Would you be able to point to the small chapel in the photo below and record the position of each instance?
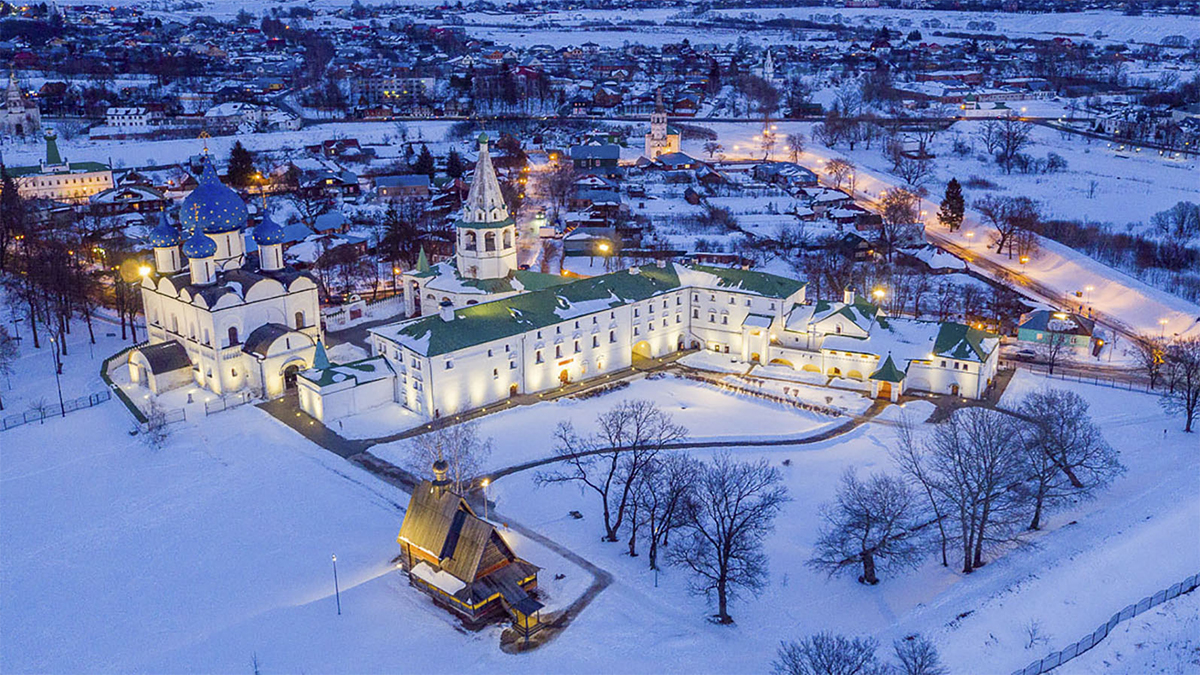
(462, 561)
(21, 116)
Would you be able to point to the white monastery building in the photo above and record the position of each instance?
(500, 332)
(59, 180)
(21, 116)
(217, 317)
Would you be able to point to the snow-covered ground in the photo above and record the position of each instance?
(1163, 641)
(1155, 184)
(215, 549)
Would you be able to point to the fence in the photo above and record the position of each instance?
(1092, 639)
(107, 366)
(42, 412)
(358, 311)
(226, 403)
(783, 400)
(1092, 379)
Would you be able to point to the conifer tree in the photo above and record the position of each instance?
(241, 166)
(950, 214)
(454, 164)
(424, 163)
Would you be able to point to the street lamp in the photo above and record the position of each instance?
(395, 271)
(486, 482)
(57, 370)
(1162, 328)
(144, 271)
(336, 593)
(879, 294)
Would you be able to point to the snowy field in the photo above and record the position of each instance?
(527, 432)
(215, 549)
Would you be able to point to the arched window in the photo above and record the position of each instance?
(233, 336)
(470, 241)
(489, 241)
(175, 324)
(508, 239)
(299, 320)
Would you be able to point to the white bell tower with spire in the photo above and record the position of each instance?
(486, 235)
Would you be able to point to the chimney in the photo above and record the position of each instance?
(848, 295)
(446, 310)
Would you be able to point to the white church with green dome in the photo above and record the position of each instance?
(218, 317)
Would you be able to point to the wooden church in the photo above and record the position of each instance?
(461, 561)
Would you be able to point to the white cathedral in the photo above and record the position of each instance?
(218, 317)
(499, 331)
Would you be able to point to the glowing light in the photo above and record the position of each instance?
(144, 270)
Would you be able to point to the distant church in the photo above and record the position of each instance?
(21, 115)
(218, 317)
(662, 139)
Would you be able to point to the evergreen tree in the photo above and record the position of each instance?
(454, 164)
(424, 163)
(241, 166)
(950, 214)
(12, 214)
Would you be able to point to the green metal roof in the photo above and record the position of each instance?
(560, 302)
(73, 167)
(888, 372)
(760, 283)
(368, 369)
(959, 341)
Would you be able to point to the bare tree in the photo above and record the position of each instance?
(1182, 361)
(869, 526)
(664, 496)
(1150, 354)
(839, 170)
(1065, 457)
(459, 445)
(1013, 137)
(8, 358)
(610, 460)
(914, 172)
(559, 182)
(973, 457)
(829, 654)
(157, 430)
(311, 204)
(795, 145)
(900, 213)
(989, 134)
(712, 148)
(1009, 216)
(734, 510)
(1055, 350)
(918, 656)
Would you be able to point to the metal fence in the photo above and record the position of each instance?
(1094, 638)
(795, 403)
(226, 403)
(42, 412)
(1093, 379)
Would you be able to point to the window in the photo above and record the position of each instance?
(612, 336)
(233, 336)
(595, 320)
(512, 365)
(233, 372)
(299, 320)
(712, 318)
(651, 308)
(577, 348)
(636, 332)
(595, 341)
(558, 351)
(495, 373)
(636, 312)
(695, 297)
(712, 297)
(489, 353)
(539, 335)
(537, 356)
(943, 364)
(664, 303)
(664, 322)
(650, 326)
(678, 318)
(449, 364)
(731, 300)
(558, 330)
(612, 315)
(695, 314)
(576, 325)
(489, 241)
(772, 305)
(505, 349)
(678, 300)
(724, 320)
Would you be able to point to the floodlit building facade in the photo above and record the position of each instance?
(217, 317)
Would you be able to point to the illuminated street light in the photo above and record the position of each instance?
(144, 270)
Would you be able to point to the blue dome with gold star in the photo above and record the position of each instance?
(213, 208)
(165, 235)
(268, 232)
(199, 245)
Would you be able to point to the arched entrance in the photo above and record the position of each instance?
(512, 390)
(289, 375)
(885, 390)
(755, 358)
(954, 389)
(564, 377)
(642, 349)
(782, 362)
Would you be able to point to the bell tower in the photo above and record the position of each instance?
(486, 246)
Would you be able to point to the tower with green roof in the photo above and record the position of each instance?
(486, 235)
